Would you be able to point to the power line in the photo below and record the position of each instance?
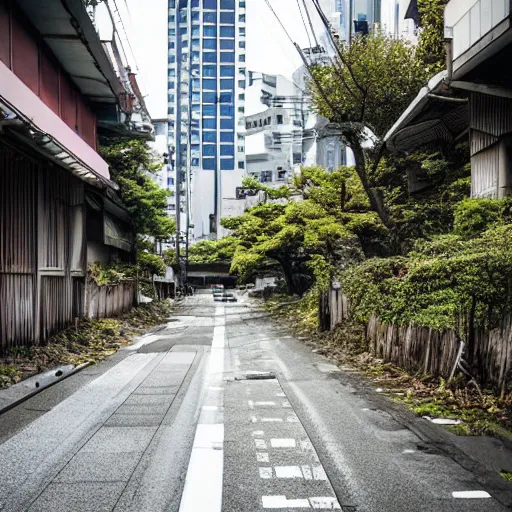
(304, 22)
(126, 35)
(310, 22)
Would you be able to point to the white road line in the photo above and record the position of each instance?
(264, 404)
(260, 444)
(319, 473)
(265, 473)
(271, 420)
(206, 465)
(471, 494)
(288, 472)
(258, 433)
(325, 503)
(282, 502)
(283, 443)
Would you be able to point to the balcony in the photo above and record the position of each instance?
(477, 27)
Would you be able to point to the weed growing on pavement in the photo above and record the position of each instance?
(506, 475)
(91, 341)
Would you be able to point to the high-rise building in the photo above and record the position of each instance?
(206, 93)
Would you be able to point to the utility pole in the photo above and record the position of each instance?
(177, 136)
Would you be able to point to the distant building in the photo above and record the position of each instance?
(273, 127)
(206, 94)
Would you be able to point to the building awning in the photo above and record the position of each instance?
(437, 114)
(67, 29)
(28, 118)
(115, 234)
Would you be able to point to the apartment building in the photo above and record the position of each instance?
(206, 94)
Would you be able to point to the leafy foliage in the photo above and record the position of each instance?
(213, 251)
(131, 164)
(430, 51)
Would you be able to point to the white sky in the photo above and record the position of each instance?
(268, 48)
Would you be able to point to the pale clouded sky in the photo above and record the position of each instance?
(268, 48)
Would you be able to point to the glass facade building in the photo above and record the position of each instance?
(206, 83)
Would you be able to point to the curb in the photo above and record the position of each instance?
(42, 388)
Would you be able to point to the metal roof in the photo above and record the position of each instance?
(69, 32)
(437, 114)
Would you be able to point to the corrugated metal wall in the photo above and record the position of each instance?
(41, 232)
(490, 118)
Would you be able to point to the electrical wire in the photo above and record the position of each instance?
(126, 36)
(310, 22)
(304, 23)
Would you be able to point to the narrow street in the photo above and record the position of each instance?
(222, 410)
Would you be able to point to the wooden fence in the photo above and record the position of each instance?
(488, 355)
(109, 300)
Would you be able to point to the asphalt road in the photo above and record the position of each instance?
(224, 410)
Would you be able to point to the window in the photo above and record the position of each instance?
(210, 44)
(265, 176)
(172, 45)
(228, 5)
(226, 97)
(209, 137)
(210, 17)
(227, 164)
(196, 97)
(242, 4)
(209, 84)
(196, 84)
(209, 150)
(227, 57)
(172, 4)
(226, 150)
(195, 162)
(195, 16)
(195, 32)
(240, 149)
(241, 84)
(170, 98)
(241, 57)
(170, 181)
(210, 71)
(241, 165)
(209, 164)
(227, 84)
(196, 109)
(209, 31)
(195, 56)
(241, 109)
(227, 71)
(227, 31)
(227, 124)
(183, 16)
(241, 71)
(172, 59)
(241, 44)
(209, 57)
(209, 97)
(226, 110)
(195, 69)
(210, 124)
(227, 137)
(227, 44)
(196, 44)
(171, 111)
(227, 17)
(171, 84)
(209, 110)
(172, 18)
(210, 4)
(241, 31)
(241, 18)
(195, 4)
(240, 137)
(279, 119)
(241, 96)
(172, 32)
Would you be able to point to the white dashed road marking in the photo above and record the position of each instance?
(471, 494)
(283, 443)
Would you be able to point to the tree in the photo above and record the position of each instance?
(308, 239)
(362, 93)
(131, 164)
